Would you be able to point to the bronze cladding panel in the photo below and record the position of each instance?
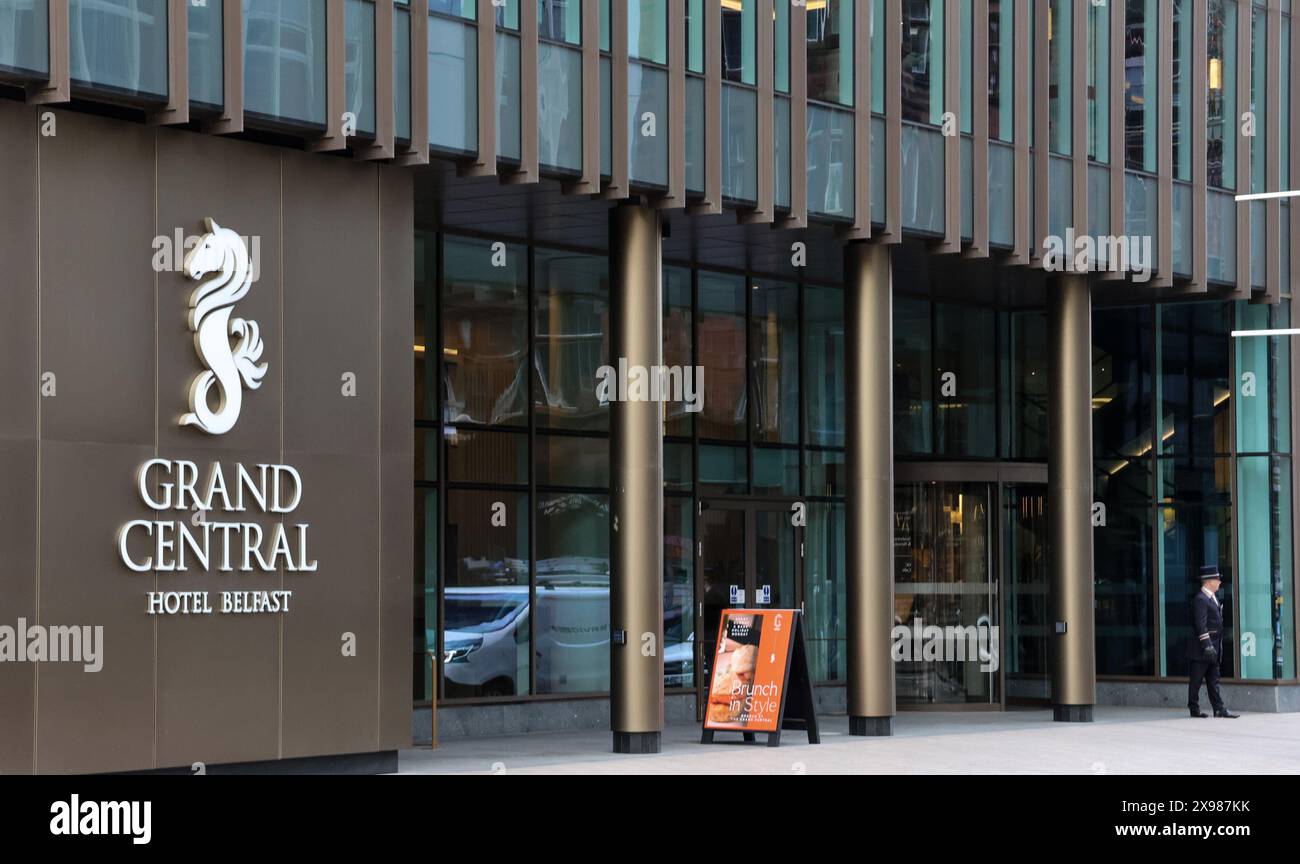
(194, 708)
(83, 301)
(331, 329)
(396, 454)
(97, 337)
(19, 421)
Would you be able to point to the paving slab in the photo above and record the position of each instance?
(1120, 741)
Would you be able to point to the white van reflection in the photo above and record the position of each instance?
(485, 643)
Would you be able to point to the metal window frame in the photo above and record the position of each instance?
(1164, 269)
(1245, 61)
(1199, 119)
(951, 242)
(231, 120)
(1273, 155)
(893, 226)
(1079, 117)
(384, 143)
(1116, 84)
(58, 87)
(177, 110)
(336, 83)
(529, 170)
(798, 215)
(1042, 60)
(484, 164)
(416, 151)
(1022, 97)
(764, 210)
(979, 245)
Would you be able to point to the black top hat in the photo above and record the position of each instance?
(1210, 571)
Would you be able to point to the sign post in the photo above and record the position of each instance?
(760, 680)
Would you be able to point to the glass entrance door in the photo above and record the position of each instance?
(749, 556)
(945, 594)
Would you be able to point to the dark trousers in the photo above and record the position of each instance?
(1196, 671)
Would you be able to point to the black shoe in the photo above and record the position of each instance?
(1224, 712)
(1197, 712)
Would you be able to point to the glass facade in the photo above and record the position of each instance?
(1191, 427)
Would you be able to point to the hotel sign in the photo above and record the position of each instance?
(230, 347)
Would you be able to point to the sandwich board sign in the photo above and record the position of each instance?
(760, 680)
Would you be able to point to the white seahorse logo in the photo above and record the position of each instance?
(230, 367)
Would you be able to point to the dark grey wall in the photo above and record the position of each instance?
(79, 298)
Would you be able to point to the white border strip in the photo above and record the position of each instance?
(1240, 334)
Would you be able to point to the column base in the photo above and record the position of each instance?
(871, 727)
(637, 743)
(1072, 713)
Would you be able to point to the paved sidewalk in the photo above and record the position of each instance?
(1121, 741)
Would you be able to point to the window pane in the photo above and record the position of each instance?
(1060, 33)
(485, 333)
(1259, 98)
(1002, 69)
(1099, 83)
(722, 354)
(425, 645)
(830, 52)
(824, 600)
(476, 456)
(913, 377)
(1025, 433)
(486, 615)
(572, 593)
(284, 60)
(1141, 54)
(781, 47)
(207, 86)
(695, 36)
(453, 85)
(509, 103)
(647, 102)
(572, 461)
(24, 44)
(402, 72)
(823, 363)
(1264, 549)
(559, 106)
(560, 20)
(776, 472)
(1221, 144)
(923, 61)
(723, 470)
(120, 46)
(774, 338)
(679, 592)
(571, 341)
(965, 422)
(647, 30)
(457, 8)
(1183, 14)
(359, 62)
(739, 40)
(678, 338)
(1196, 406)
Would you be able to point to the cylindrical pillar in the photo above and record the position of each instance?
(869, 520)
(636, 512)
(1069, 499)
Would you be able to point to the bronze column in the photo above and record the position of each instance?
(1069, 499)
(869, 521)
(637, 511)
